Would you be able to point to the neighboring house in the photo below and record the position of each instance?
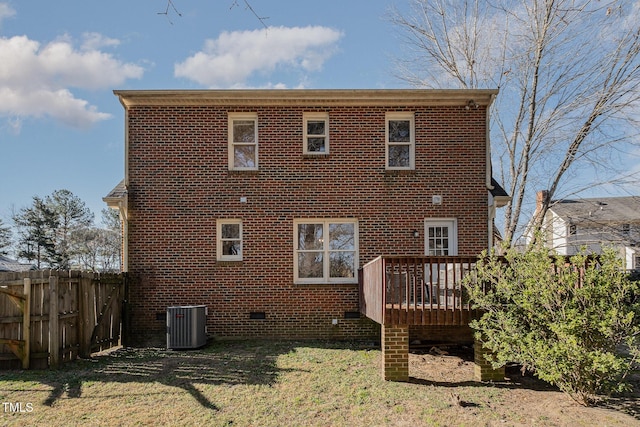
(10, 265)
(263, 204)
(593, 224)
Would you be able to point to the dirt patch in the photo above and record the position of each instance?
(534, 401)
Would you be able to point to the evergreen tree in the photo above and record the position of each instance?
(72, 219)
(5, 238)
(36, 225)
(48, 227)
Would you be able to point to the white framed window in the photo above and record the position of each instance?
(229, 239)
(626, 229)
(316, 133)
(243, 141)
(441, 237)
(400, 141)
(325, 251)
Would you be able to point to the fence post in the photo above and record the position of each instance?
(54, 330)
(86, 327)
(125, 339)
(26, 323)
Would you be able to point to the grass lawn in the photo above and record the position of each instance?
(280, 383)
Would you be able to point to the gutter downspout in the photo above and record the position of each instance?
(491, 209)
(123, 205)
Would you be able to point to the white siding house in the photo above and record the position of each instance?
(595, 223)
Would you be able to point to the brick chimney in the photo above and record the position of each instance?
(542, 196)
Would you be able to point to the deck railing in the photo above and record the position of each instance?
(416, 290)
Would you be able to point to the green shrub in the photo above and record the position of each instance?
(575, 325)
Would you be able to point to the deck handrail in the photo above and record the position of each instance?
(416, 289)
(425, 290)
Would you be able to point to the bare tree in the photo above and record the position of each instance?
(569, 76)
(171, 7)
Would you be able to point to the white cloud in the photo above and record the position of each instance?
(6, 11)
(35, 79)
(13, 125)
(233, 57)
(58, 104)
(93, 41)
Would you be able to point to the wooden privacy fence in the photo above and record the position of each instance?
(48, 317)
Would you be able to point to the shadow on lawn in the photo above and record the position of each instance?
(243, 362)
(228, 363)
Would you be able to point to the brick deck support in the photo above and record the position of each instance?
(483, 370)
(395, 353)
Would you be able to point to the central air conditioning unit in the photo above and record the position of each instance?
(186, 327)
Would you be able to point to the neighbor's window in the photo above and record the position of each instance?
(626, 229)
(229, 240)
(400, 141)
(326, 251)
(316, 133)
(243, 141)
(572, 229)
(441, 237)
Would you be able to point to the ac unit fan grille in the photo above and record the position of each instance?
(186, 327)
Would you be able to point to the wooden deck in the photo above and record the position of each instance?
(398, 290)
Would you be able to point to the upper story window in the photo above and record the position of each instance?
(325, 251)
(400, 141)
(316, 133)
(572, 229)
(229, 240)
(243, 141)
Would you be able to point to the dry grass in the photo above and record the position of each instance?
(266, 383)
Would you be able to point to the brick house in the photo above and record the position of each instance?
(264, 204)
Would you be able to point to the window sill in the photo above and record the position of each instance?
(224, 262)
(314, 155)
(243, 171)
(395, 172)
(306, 284)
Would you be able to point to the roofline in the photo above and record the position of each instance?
(404, 97)
(592, 199)
(113, 202)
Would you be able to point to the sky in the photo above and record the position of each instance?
(61, 127)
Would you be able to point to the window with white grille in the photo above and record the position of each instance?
(316, 133)
(325, 251)
(243, 141)
(229, 240)
(441, 237)
(400, 141)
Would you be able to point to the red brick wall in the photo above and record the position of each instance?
(179, 184)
